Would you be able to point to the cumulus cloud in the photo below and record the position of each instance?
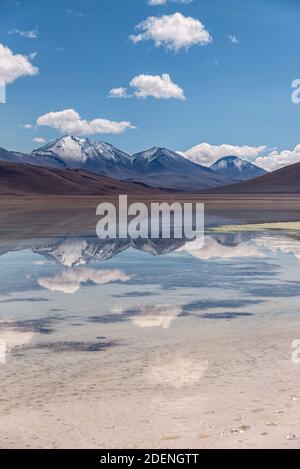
(276, 160)
(206, 154)
(27, 126)
(14, 66)
(70, 122)
(157, 2)
(118, 93)
(155, 86)
(159, 87)
(70, 281)
(31, 34)
(173, 32)
(164, 2)
(39, 140)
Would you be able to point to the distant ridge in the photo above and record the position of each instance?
(26, 180)
(283, 181)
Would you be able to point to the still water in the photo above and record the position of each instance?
(157, 343)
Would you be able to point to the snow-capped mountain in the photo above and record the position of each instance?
(76, 153)
(163, 168)
(79, 153)
(157, 159)
(237, 169)
(156, 167)
(72, 252)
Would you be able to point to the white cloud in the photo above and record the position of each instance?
(157, 2)
(118, 93)
(159, 87)
(156, 86)
(70, 280)
(13, 66)
(164, 2)
(32, 55)
(70, 122)
(39, 140)
(31, 34)
(174, 32)
(206, 154)
(233, 39)
(276, 160)
(27, 126)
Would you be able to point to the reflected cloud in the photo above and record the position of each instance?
(156, 316)
(276, 244)
(142, 316)
(71, 280)
(214, 248)
(82, 250)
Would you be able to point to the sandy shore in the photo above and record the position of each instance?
(232, 389)
(30, 217)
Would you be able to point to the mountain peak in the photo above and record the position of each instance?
(237, 168)
(155, 153)
(229, 158)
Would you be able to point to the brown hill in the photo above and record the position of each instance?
(285, 180)
(25, 180)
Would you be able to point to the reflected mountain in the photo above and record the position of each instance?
(76, 251)
(72, 252)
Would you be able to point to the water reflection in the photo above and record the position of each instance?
(180, 332)
(70, 280)
(149, 284)
(78, 251)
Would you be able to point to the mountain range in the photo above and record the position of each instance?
(282, 181)
(158, 167)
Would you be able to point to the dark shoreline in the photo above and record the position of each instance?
(30, 217)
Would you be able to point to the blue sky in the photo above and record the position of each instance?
(236, 93)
